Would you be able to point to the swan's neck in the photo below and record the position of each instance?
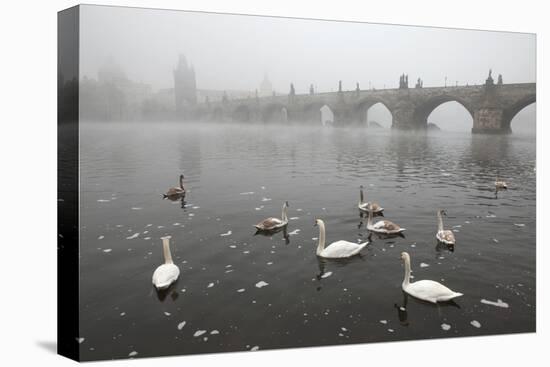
(439, 222)
(407, 272)
(181, 183)
(321, 245)
(369, 219)
(284, 217)
(166, 250)
(361, 198)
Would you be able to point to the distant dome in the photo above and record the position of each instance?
(266, 88)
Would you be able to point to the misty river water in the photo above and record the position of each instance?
(237, 175)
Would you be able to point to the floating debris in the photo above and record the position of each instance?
(103, 200)
(228, 233)
(293, 233)
(327, 274)
(101, 237)
(199, 333)
(135, 235)
(495, 240)
(167, 313)
(122, 313)
(261, 284)
(80, 340)
(107, 250)
(240, 290)
(132, 354)
(266, 199)
(254, 348)
(384, 322)
(294, 218)
(424, 265)
(498, 303)
(445, 327)
(247, 193)
(210, 285)
(214, 332)
(475, 323)
(181, 325)
(519, 224)
(136, 208)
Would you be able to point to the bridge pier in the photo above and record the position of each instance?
(490, 120)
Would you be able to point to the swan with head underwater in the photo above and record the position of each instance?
(365, 206)
(272, 224)
(426, 290)
(167, 273)
(445, 236)
(500, 185)
(383, 227)
(338, 249)
(175, 192)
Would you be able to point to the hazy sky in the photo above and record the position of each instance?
(234, 52)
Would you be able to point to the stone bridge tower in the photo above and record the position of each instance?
(185, 88)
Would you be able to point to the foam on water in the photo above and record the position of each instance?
(498, 303)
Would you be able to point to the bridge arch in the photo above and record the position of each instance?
(275, 112)
(312, 113)
(513, 110)
(422, 111)
(241, 113)
(362, 109)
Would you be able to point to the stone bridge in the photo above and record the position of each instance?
(492, 106)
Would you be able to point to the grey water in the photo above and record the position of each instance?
(237, 175)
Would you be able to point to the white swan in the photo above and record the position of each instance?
(167, 273)
(500, 185)
(383, 226)
(176, 192)
(444, 235)
(271, 224)
(376, 209)
(338, 249)
(427, 290)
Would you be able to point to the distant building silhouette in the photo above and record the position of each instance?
(266, 88)
(185, 86)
